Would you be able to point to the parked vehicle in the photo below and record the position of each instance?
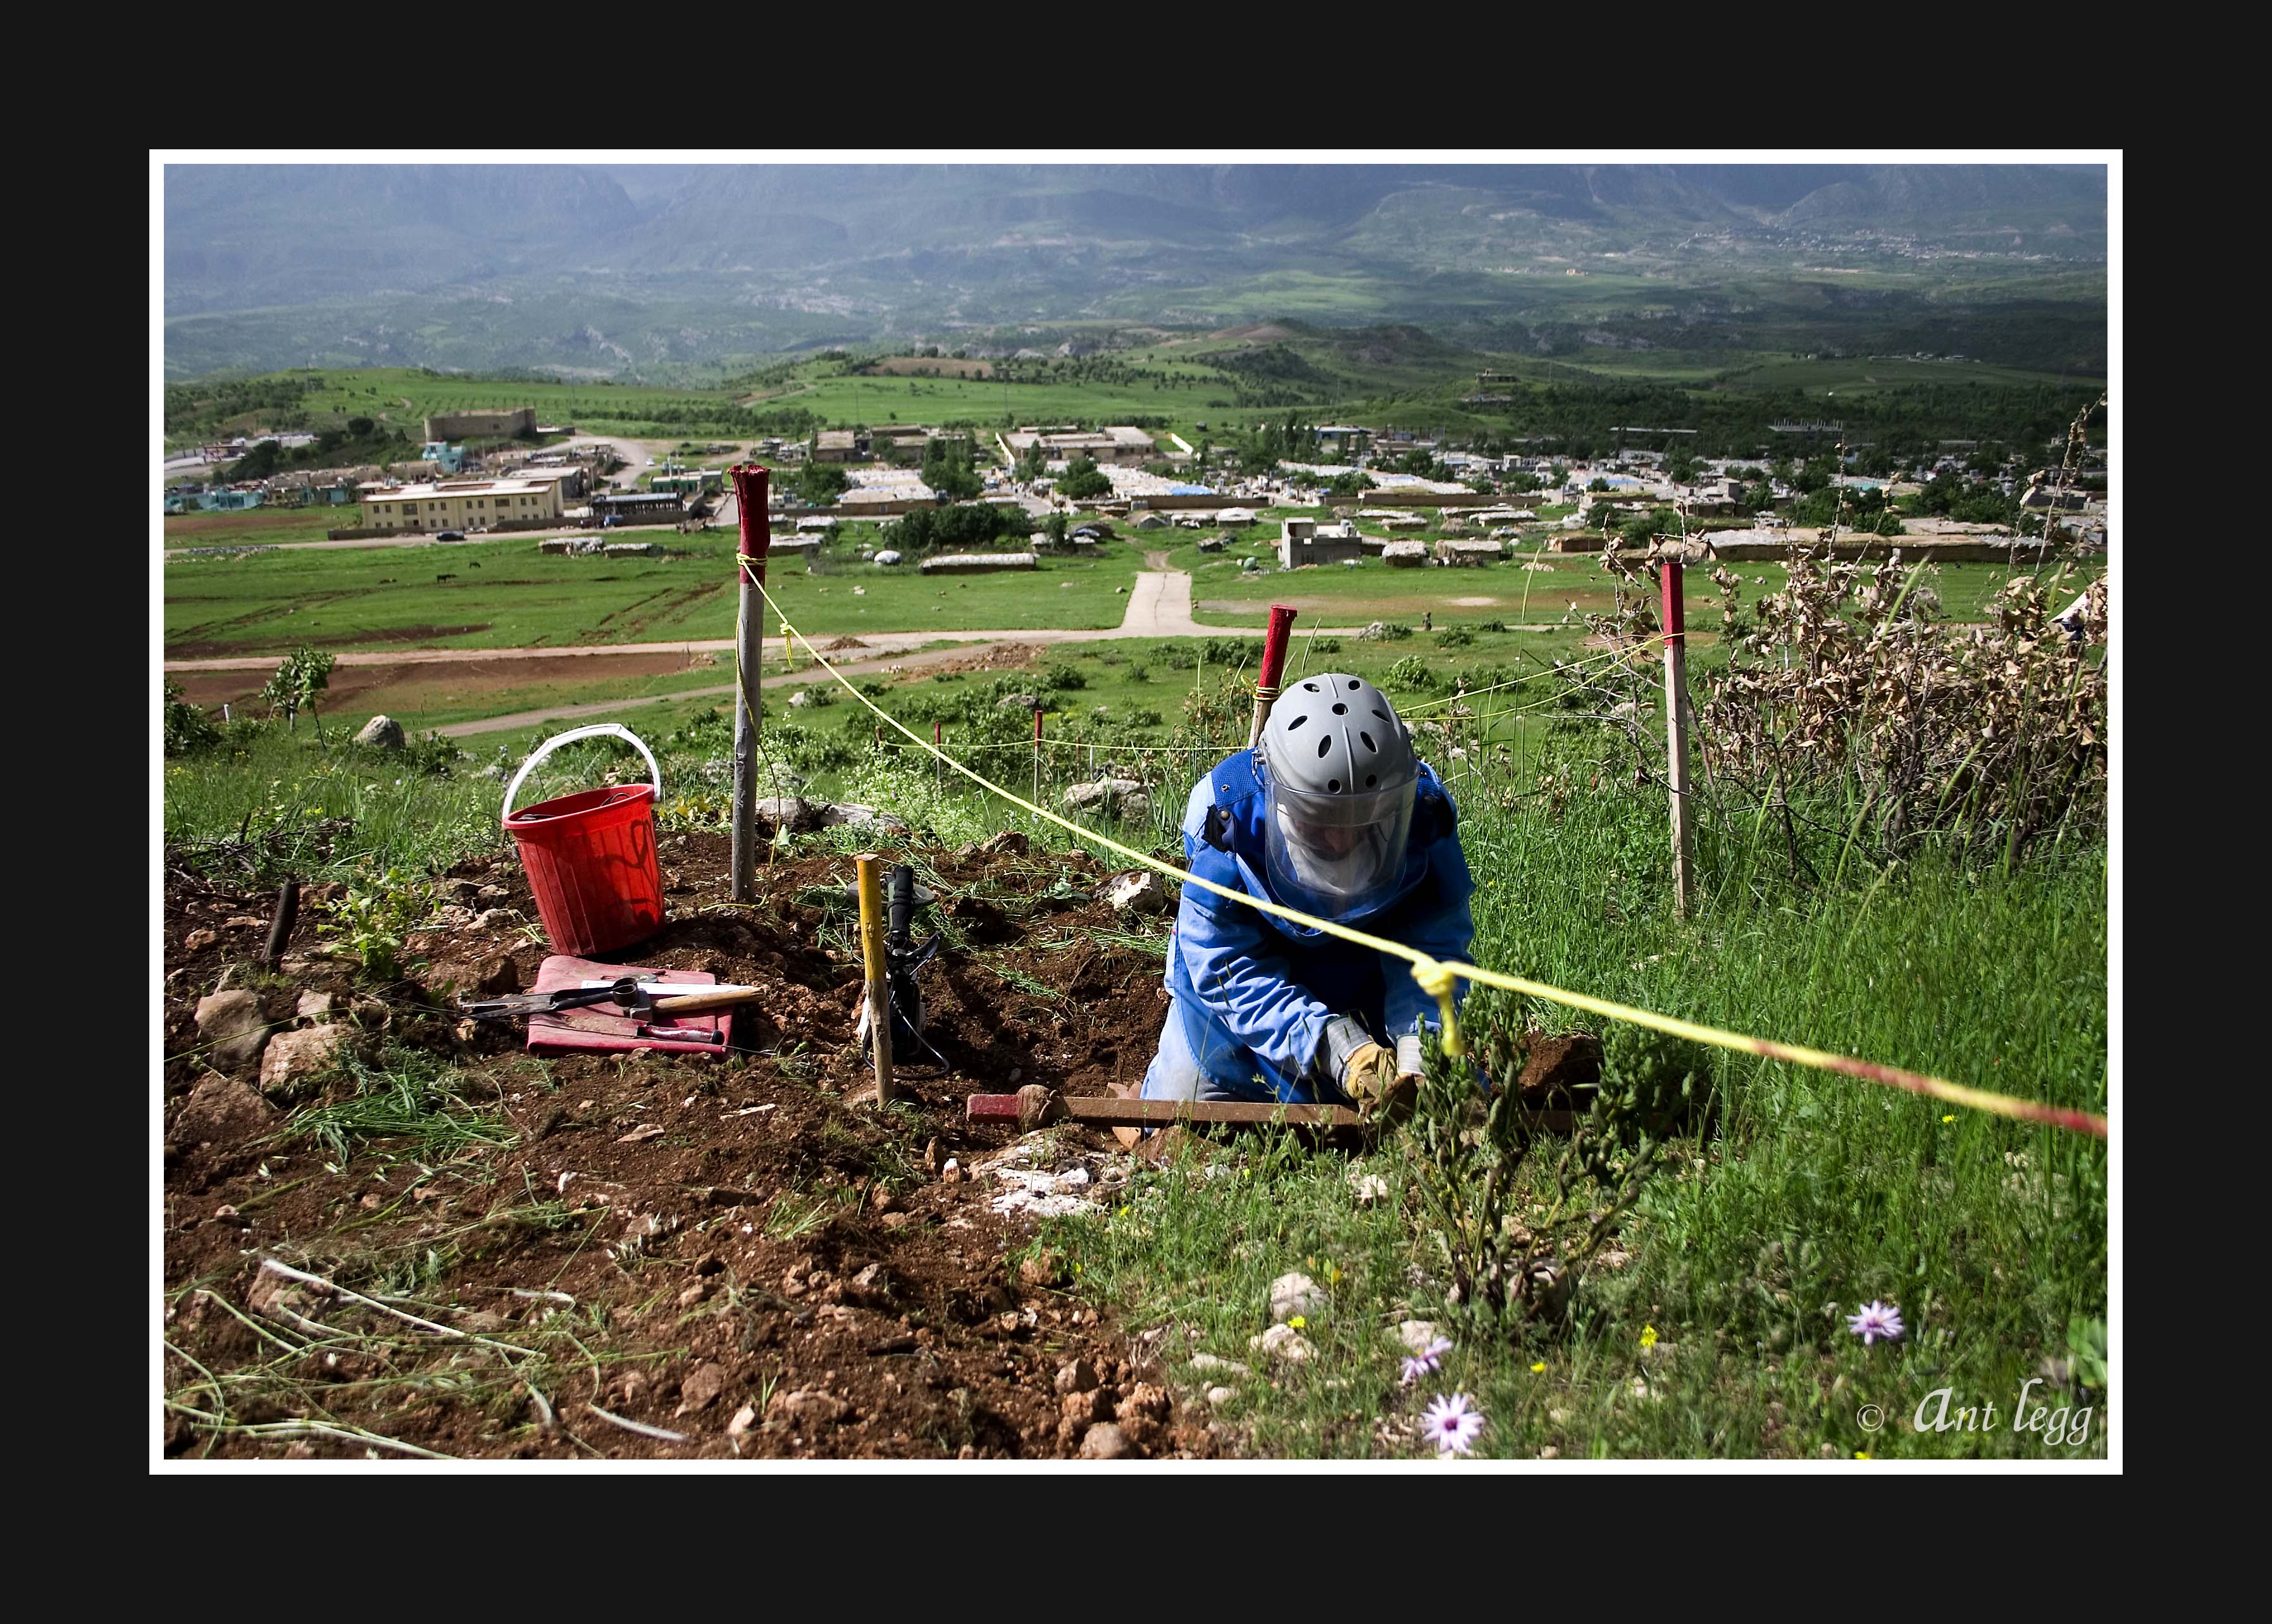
(451, 536)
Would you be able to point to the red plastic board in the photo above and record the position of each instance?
(604, 1026)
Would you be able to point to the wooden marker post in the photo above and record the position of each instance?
(1274, 667)
(751, 502)
(1037, 761)
(1675, 735)
(870, 865)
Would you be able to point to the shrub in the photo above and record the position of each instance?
(1454, 637)
(1411, 671)
(188, 727)
(304, 673)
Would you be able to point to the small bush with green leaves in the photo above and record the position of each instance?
(376, 915)
(1411, 671)
(1454, 637)
(187, 727)
(1652, 1083)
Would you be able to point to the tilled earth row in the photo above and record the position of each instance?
(649, 1255)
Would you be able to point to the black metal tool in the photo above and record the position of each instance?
(629, 991)
(632, 994)
(902, 958)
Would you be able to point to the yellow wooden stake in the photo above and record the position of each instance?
(872, 953)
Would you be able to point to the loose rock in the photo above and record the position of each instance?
(220, 1111)
(382, 733)
(1293, 1294)
(701, 1388)
(314, 1006)
(1138, 891)
(230, 1023)
(807, 1407)
(295, 1057)
(1282, 1342)
(1079, 1376)
(1417, 1333)
(1104, 1442)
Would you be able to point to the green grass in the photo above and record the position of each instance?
(507, 594)
(1816, 1195)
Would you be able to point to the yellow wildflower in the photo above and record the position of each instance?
(1298, 1322)
(1539, 1369)
(1648, 1335)
(1864, 1454)
(1951, 1117)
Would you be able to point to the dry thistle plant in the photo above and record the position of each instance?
(1992, 734)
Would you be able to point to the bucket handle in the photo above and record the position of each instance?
(611, 729)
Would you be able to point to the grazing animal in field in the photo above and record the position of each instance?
(439, 578)
(475, 564)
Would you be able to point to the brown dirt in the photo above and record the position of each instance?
(687, 1303)
(435, 686)
(993, 657)
(211, 650)
(203, 524)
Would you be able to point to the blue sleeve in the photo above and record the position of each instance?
(1438, 923)
(1238, 970)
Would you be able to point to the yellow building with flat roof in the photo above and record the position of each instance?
(463, 504)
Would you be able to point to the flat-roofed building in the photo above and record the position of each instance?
(462, 504)
(1120, 447)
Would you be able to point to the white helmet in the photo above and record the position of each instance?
(1339, 776)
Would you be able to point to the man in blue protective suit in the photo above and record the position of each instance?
(1333, 815)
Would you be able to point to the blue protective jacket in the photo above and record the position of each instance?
(1256, 991)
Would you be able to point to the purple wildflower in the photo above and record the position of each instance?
(1451, 1425)
(1875, 1320)
(1429, 1361)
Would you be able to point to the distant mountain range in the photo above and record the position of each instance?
(638, 271)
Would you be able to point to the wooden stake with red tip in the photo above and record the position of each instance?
(752, 504)
(1274, 667)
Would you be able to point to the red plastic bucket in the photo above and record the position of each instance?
(590, 857)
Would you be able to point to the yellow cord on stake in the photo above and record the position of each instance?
(1430, 971)
(1436, 980)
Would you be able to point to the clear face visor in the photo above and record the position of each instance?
(1341, 855)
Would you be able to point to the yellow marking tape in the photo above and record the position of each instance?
(1436, 976)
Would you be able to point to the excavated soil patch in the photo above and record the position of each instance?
(674, 1239)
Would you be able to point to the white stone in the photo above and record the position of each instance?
(1137, 891)
(1282, 1342)
(1417, 1333)
(1293, 1294)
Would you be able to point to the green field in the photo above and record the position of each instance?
(508, 594)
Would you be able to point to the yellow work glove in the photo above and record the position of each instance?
(1368, 1073)
(1371, 1078)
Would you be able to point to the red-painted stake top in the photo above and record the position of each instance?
(753, 503)
(1676, 622)
(1273, 645)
